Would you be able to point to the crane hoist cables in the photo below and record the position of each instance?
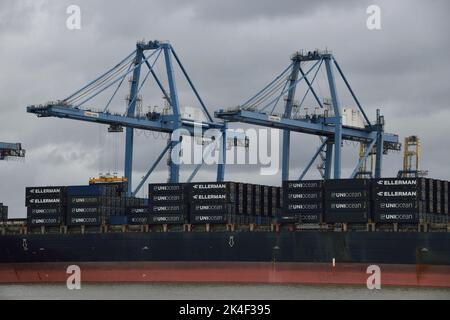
(136, 65)
(107, 72)
(101, 79)
(270, 90)
(278, 99)
(269, 94)
(246, 103)
(282, 90)
(100, 83)
(115, 91)
(294, 84)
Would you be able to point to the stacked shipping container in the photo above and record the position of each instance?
(167, 203)
(389, 200)
(231, 202)
(216, 202)
(401, 200)
(45, 205)
(78, 205)
(303, 202)
(347, 201)
(93, 204)
(3, 213)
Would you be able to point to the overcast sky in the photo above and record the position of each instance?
(231, 49)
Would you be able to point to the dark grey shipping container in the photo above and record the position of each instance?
(347, 206)
(429, 195)
(346, 184)
(403, 194)
(310, 218)
(209, 218)
(138, 211)
(437, 196)
(223, 197)
(445, 208)
(74, 211)
(46, 211)
(44, 201)
(399, 205)
(164, 198)
(84, 220)
(303, 185)
(167, 188)
(304, 207)
(170, 208)
(87, 201)
(3, 213)
(347, 216)
(249, 202)
(214, 208)
(139, 219)
(213, 187)
(299, 196)
(167, 219)
(348, 194)
(47, 221)
(46, 192)
(396, 217)
(399, 183)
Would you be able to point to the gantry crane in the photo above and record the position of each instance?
(365, 170)
(260, 110)
(146, 53)
(411, 157)
(11, 150)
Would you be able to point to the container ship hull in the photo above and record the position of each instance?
(405, 258)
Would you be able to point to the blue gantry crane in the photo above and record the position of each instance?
(260, 110)
(145, 54)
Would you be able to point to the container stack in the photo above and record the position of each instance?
(216, 202)
(437, 192)
(45, 206)
(167, 203)
(91, 205)
(440, 202)
(85, 205)
(275, 201)
(257, 199)
(445, 194)
(347, 201)
(3, 213)
(402, 200)
(302, 202)
(138, 211)
(249, 201)
(429, 195)
(266, 201)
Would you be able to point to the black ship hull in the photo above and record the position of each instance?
(309, 246)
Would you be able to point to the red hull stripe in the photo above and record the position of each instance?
(228, 272)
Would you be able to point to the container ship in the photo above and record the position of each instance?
(321, 232)
(329, 231)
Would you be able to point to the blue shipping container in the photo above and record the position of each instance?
(118, 220)
(90, 190)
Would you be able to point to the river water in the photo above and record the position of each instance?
(216, 291)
